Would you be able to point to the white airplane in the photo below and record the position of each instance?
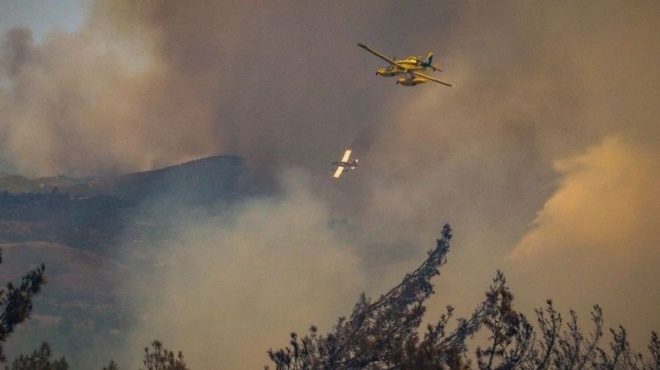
(344, 165)
(409, 68)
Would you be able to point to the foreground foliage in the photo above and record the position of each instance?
(162, 359)
(16, 302)
(39, 360)
(385, 334)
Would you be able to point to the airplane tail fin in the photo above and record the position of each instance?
(429, 63)
(429, 60)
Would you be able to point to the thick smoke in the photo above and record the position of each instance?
(598, 233)
(553, 118)
(100, 100)
(231, 287)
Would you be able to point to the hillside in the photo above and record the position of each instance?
(93, 213)
(66, 267)
(93, 234)
(201, 179)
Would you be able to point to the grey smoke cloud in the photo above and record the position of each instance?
(544, 94)
(231, 287)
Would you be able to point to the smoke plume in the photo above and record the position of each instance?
(543, 154)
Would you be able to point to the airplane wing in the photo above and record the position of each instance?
(338, 172)
(381, 56)
(430, 78)
(346, 155)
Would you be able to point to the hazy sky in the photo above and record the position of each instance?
(543, 157)
(43, 16)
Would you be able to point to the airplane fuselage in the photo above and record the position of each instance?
(410, 64)
(346, 165)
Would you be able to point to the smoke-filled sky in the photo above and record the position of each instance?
(543, 157)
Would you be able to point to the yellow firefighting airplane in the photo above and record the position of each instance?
(409, 68)
(344, 165)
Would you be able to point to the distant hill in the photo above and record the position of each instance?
(199, 180)
(93, 213)
(16, 184)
